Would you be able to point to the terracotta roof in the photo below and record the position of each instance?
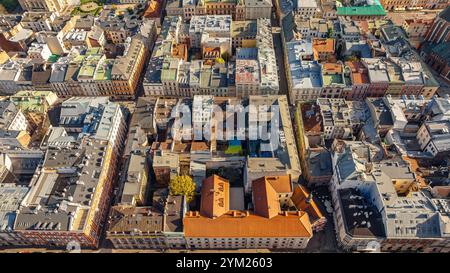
(199, 146)
(153, 9)
(180, 51)
(281, 184)
(425, 21)
(181, 147)
(265, 198)
(215, 197)
(238, 224)
(300, 200)
(266, 221)
(359, 72)
(364, 25)
(332, 67)
(311, 124)
(323, 45)
(162, 146)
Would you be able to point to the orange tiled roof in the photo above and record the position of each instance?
(364, 25)
(324, 45)
(215, 196)
(199, 146)
(332, 67)
(414, 165)
(162, 146)
(153, 9)
(265, 198)
(181, 147)
(266, 221)
(238, 224)
(280, 183)
(180, 51)
(359, 72)
(300, 197)
(425, 21)
(311, 124)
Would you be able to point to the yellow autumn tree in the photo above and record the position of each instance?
(183, 185)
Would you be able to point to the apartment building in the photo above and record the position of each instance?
(174, 8)
(11, 195)
(11, 117)
(36, 21)
(348, 162)
(70, 194)
(390, 202)
(243, 34)
(34, 101)
(417, 27)
(306, 8)
(189, 8)
(96, 116)
(255, 9)
(359, 76)
(159, 226)
(127, 69)
(438, 109)
(435, 55)
(15, 76)
(82, 205)
(135, 183)
(313, 27)
(117, 30)
(336, 118)
(378, 76)
(21, 163)
(324, 50)
(152, 80)
(439, 31)
(318, 168)
(247, 77)
(305, 80)
(266, 157)
(214, 25)
(34, 5)
(269, 84)
(412, 4)
(433, 137)
(334, 80)
(166, 166)
(216, 7)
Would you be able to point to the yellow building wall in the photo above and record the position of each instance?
(248, 43)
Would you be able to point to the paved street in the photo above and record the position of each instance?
(276, 32)
(324, 241)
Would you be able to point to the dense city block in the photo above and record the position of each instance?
(225, 125)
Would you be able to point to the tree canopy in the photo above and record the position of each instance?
(183, 185)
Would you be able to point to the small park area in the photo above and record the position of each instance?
(93, 7)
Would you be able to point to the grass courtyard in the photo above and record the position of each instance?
(93, 7)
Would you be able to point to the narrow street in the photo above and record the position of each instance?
(276, 32)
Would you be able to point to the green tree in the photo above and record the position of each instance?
(226, 56)
(220, 60)
(352, 58)
(183, 185)
(330, 32)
